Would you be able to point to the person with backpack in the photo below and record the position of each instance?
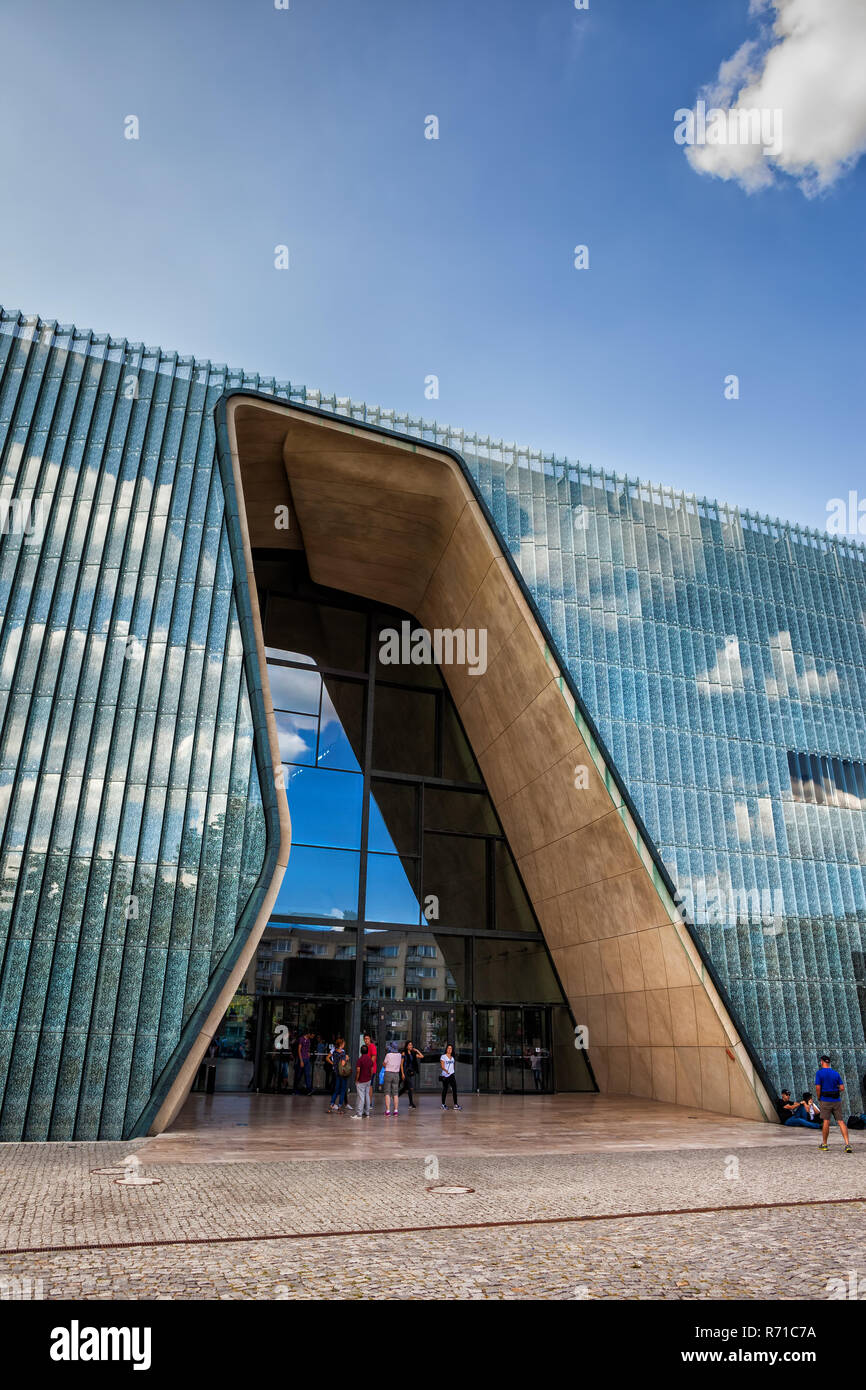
(828, 1088)
(374, 1052)
(339, 1060)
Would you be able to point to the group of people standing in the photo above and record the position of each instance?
(398, 1074)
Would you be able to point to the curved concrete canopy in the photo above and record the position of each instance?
(398, 522)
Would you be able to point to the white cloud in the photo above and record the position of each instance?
(754, 826)
(809, 66)
(787, 680)
(727, 674)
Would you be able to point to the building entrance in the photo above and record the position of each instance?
(429, 1027)
(514, 1050)
(500, 1049)
(281, 1023)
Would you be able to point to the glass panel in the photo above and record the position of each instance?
(325, 808)
(286, 1022)
(489, 1050)
(458, 764)
(384, 964)
(434, 1029)
(817, 779)
(416, 966)
(404, 731)
(514, 971)
(402, 670)
(309, 959)
(393, 818)
(513, 1060)
(455, 874)
(232, 1052)
(316, 633)
(320, 883)
(392, 889)
(470, 812)
(513, 912)
(796, 779)
(341, 730)
(536, 1037)
(397, 1028)
(294, 689)
(571, 1072)
(297, 736)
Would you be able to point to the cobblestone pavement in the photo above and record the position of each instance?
(53, 1196)
(762, 1255)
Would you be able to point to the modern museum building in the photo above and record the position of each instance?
(318, 717)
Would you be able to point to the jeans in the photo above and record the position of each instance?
(341, 1085)
(449, 1083)
(363, 1089)
(407, 1086)
(803, 1124)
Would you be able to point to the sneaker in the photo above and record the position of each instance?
(823, 1147)
(357, 1117)
(387, 1113)
(458, 1107)
(848, 1149)
(444, 1107)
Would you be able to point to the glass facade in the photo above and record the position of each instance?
(132, 829)
(721, 656)
(707, 644)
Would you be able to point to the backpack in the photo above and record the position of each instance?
(856, 1122)
(345, 1067)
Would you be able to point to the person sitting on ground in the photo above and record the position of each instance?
(803, 1113)
(786, 1107)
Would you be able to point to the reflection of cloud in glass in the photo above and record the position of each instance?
(787, 680)
(297, 737)
(728, 673)
(294, 689)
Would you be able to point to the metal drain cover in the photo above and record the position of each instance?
(447, 1191)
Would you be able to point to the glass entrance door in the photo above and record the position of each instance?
(428, 1026)
(283, 1022)
(514, 1050)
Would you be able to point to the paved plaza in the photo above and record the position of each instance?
(271, 1198)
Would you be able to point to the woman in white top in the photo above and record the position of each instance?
(447, 1077)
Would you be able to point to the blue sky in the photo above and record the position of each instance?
(454, 257)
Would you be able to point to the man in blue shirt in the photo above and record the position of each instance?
(828, 1088)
